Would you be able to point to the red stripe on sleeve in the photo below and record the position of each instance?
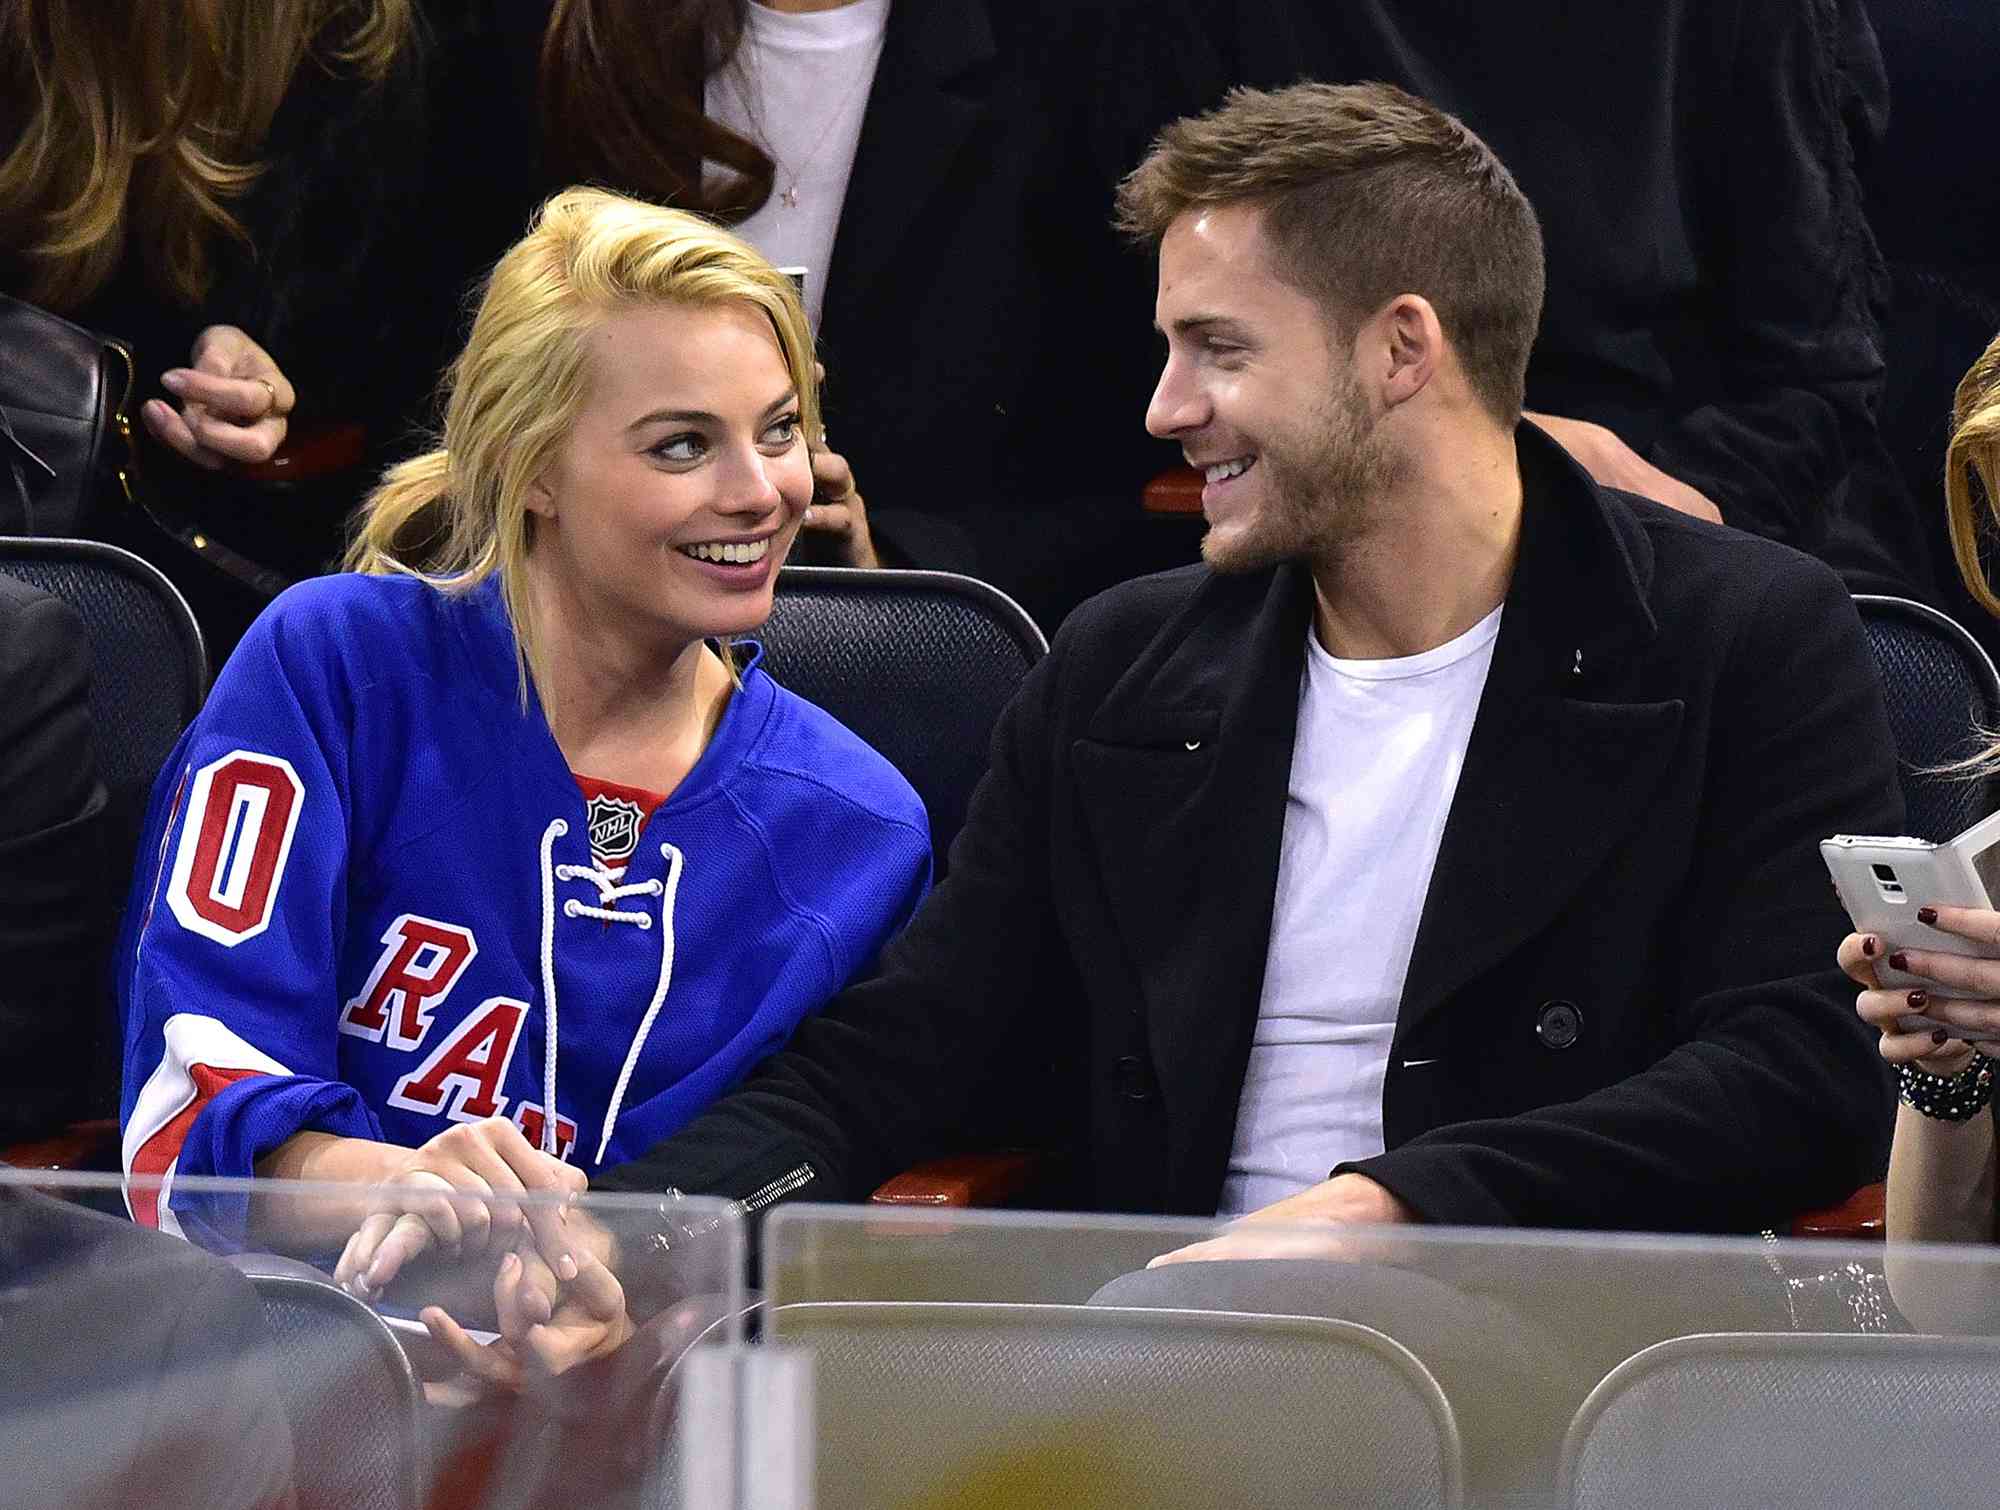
(157, 1154)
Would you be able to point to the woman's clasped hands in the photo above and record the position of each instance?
(1959, 1016)
(481, 1189)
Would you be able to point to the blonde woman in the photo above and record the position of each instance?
(1942, 1185)
(484, 879)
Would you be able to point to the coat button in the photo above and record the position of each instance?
(1133, 1078)
(1558, 1024)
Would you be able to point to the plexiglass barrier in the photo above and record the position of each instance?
(272, 1344)
(988, 1359)
(600, 1354)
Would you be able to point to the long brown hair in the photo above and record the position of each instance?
(622, 102)
(144, 120)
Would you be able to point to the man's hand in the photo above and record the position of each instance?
(233, 402)
(1613, 464)
(547, 1327)
(1307, 1225)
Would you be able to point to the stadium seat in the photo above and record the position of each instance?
(1942, 690)
(1785, 1421)
(346, 1387)
(947, 1403)
(149, 675)
(917, 663)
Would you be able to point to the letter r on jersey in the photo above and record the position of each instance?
(421, 961)
(469, 1067)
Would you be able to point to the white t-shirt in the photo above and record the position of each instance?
(1374, 766)
(799, 87)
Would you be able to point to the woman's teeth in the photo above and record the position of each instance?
(732, 555)
(1222, 471)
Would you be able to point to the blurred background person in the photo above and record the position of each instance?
(943, 170)
(1712, 337)
(212, 182)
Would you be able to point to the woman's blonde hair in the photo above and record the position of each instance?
(1973, 461)
(145, 120)
(458, 514)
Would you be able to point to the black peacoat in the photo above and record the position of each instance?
(1621, 1011)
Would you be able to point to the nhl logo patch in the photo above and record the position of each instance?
(614, 828)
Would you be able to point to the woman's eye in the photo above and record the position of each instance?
(678, 448)
(783, 432)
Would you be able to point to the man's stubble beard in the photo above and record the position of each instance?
(1322, 483)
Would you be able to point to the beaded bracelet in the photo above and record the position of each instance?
(1948, 1098)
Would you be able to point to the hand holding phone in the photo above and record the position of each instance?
(1885, 882)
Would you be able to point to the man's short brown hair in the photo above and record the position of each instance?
(1367, 193)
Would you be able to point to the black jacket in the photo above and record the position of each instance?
(55, 885)
(1621, 1010)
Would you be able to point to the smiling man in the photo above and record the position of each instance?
(1444, 847)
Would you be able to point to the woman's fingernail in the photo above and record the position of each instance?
(510, 1263)
(566, 1267)
(1940, 1037)
(174, 382)
(1899, 961)
(1869, 946)
(1927, 916)
(1919, 1000)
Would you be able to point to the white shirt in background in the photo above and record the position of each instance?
(1374, 766)
(798, 86)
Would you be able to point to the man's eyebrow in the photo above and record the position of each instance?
(1194, 324)
(703, 416)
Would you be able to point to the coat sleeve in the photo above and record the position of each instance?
(914, 1058)
(1770, 1097)
(1794, 277)
(227, 969)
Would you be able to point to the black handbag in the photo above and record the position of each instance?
(67, 452)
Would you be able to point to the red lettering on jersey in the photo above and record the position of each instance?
(243, 810)
(421, 961)
(528, 1117)
(469, 1066)
(157, 1154)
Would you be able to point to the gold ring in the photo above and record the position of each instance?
(271, 407)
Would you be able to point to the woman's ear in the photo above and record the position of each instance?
(541, 498)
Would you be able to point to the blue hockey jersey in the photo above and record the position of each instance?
(367, 902)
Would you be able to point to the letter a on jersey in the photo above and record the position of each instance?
(235, 839)
(469, 1066)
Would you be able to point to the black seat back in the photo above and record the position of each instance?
(346, 1386)
(919, 664)
(1942, 692)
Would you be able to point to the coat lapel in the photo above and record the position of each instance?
(1182, 777)
(1560, 765)
(930, 91)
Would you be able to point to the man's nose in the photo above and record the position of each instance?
(1176, 406)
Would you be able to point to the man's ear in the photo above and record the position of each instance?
(1410, 339)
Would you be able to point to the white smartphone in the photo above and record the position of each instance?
(1883, 881)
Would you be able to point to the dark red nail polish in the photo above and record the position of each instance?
(1940, 1037)
(1927, 916)
(1869, 946)
(1919, 1000)
(1899, 961)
